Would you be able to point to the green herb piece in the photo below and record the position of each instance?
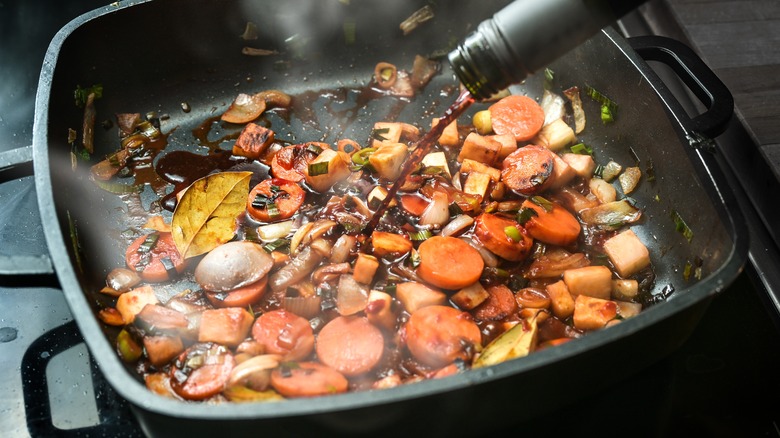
(549, 76)
(273, 210)
(525, 214)
(602, 99)
(582, 149)
(513, 233)
(320, 168)
(606, 115)
(80, 94)
(419, 236)
(542, 202)
(414, 258)
(149, 243)
(313, 148)
(391, 288)
(276, 245)
(681, 226)
(377, 134)
(361, 157)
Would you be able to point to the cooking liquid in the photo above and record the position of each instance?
(421, 148)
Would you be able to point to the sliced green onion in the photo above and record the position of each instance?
(276, 245)
(320, 168)
(681, 226)
(149, 243)
(148, 130)
(391, 288)
(582, 149)
(549, 76)
(606, 115)
(542, 202)
(260, 201)
(80, 94)
(516, 282)
(525, 214)
(313, 148)
(361, 157)
(377, 134)
(419, 236)
(273, 210)
(432, 170)
(600, 98)
(513, 233)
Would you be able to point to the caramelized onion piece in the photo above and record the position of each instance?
(553, 263)
(611, 215)
(296, 270)
(244, 109)
(255, 372)
(122, 279)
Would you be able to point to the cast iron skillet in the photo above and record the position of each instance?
(154, 55)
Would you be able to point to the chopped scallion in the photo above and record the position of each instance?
(681, 226)
(419, 236)
(361, 157)
(542, 202)
(525, 214)
(276, 245)
(320, 168)
(582, 149)
(377, 134)
(273, 210)
(513, 233)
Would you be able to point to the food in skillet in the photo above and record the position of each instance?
(508, 239)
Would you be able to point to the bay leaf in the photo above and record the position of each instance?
(205, 217)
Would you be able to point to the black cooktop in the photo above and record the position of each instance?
(723, 381)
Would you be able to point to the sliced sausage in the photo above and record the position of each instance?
(286, 197)
(350, 344)
(201, 371)
(438, 335)
(284, 333)
(308, 379)
(528, 169)
(491, 231)
(499, 304)
(241, 297)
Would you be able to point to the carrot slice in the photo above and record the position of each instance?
(284, 333)
(518, 115)
(149, 264)
(528, 169)
(494, 233)
(241, 297)
(556, 227)
(286, 196)
(350, 344)
(438, 335)
(308, 379)
(449, 263)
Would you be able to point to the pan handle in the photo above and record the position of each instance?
(113, 411)
(699, 78)
(18, 163)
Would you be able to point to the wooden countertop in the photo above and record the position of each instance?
(740, 41)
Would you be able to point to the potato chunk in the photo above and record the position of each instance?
(228, 326)
(592, 281)
(627, 253)
(479, 148)
(593, 313)
(388, 159)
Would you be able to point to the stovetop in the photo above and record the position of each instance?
(723, 381)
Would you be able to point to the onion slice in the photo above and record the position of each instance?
(457, 225)
(437, 212)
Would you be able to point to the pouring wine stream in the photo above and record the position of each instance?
(421, 148)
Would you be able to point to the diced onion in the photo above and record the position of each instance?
(278, 230)
(554, 107)
(457, 225)
(490, 259)
(437, 212)
(258, 366)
